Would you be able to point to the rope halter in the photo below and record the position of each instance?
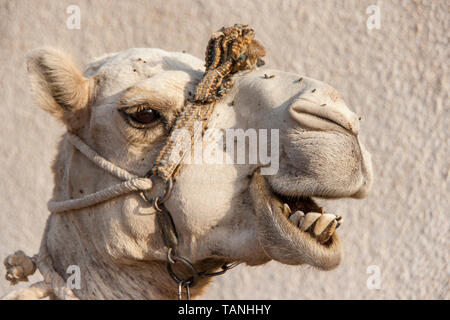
(229, 51)
(131, 182)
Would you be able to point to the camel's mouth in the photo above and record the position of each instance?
(294, 229)
(297, 209)
(305, 204)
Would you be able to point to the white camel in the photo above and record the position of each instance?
(122, 106)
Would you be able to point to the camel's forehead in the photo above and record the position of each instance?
(141, 59)
(121, 70)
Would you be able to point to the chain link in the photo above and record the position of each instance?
(195, 277)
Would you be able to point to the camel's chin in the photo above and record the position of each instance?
(295, 230)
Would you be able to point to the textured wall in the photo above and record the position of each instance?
(395, 77)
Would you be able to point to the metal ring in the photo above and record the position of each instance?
(188, 292)
(169, 256)
(168, 191)
(225, 267)
(156, 204)
(158, 200)
(180, 289)
(172, 259)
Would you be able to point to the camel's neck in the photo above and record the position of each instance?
(113, 262)
(101, 277)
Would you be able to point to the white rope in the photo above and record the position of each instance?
(19, 266)
(138, 184)
(132, 182)
(52, 279)
(99, 160)
(36, 291)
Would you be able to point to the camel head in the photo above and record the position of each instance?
(300, 142)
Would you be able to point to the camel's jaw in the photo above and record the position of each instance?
(295, 230)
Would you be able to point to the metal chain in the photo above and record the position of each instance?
(220, 66)
(195, 275)
(181, 284)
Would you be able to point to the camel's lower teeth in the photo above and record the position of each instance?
(309, 219)
(297, 217)
(323, 223)
(286, 209)
(306, 221)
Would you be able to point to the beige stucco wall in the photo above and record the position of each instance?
(396, 78)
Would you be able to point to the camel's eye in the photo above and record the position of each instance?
(141, 116)
(145, 116)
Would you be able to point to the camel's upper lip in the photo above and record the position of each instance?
(322, 116)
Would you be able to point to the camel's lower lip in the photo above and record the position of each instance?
(287, 234)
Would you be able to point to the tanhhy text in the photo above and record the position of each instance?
(226, 309)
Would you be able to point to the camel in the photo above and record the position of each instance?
(122, 106)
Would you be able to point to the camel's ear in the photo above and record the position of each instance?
(58, 86)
